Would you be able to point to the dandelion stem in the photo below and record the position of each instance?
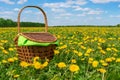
(71, 78)
(103, 76)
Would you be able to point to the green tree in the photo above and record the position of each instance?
(2, 22)
(10, 23)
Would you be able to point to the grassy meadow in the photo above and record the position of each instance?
(84, 53)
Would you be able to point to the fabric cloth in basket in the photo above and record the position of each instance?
(37, 39)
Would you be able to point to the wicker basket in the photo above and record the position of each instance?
(27, 53)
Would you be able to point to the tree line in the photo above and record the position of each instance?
(11, 23)
(118, 25)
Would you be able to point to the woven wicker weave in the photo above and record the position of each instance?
(40, 37)
(27, 53)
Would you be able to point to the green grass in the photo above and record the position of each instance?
(81, 46)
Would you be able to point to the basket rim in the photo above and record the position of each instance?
(54, 38)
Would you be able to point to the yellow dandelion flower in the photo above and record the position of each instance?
(119, 38)
(113, 58)
(102, 51)
(4, 61)
(79, 54)
(99, 44)
(102, 61)
(1, 47)
(75, 51)
(108, 49)
(16, 54)
(90, 60)
(11, 49)
(113, 45)
(75, 42)
(15, 58)
(114, 49)
(63, 47)
(61, 65)
(88, 50)
(95, 63)
(101, 40)
(101, 70)
(82, 59)
(58, 36)
(83, 47)
(115, 54)
(67, 51)
(92, 40)
(24, 64)
(118, 60)
(80, 43)
(38, 65)
(85, 38)
(99, 47)
(105, 64)
(16, 76)
(61, 43)
(4, 41)
(45, 64)
(36, 58)
(111, 38)
(5, 52)
(73, 61)
(86, 54)
(74, 68)
(11, 60)
(95, 38)
(56, 52)
(108, 59)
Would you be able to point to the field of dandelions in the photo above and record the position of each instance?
(84, 53)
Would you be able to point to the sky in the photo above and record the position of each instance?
(64, 12)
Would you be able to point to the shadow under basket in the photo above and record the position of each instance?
(27, 53)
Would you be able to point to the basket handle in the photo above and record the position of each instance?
(45, 17)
